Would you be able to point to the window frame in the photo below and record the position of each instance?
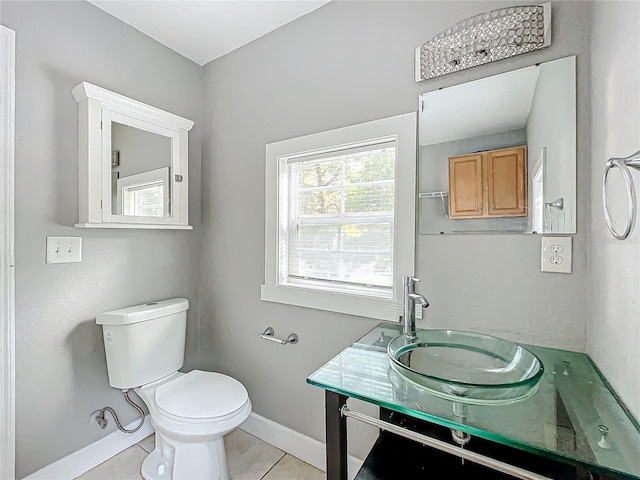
(402, 128)
(159, 175)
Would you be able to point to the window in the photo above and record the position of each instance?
(539, 213)
(340, 218)
(538, 201)
(144, 194)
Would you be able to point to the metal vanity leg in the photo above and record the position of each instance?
(336, 436)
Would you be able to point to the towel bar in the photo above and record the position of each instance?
(623, 164)
(269, 333)
(443, 446)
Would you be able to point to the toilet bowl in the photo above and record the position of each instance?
(191, 412)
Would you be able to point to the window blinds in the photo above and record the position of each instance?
(339, 219)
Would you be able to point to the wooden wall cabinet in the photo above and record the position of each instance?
(488, 184)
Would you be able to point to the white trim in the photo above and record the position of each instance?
(128, 106)
(369, 307)
(404, 129)
(141, 226)
(83, 460)
(7, 258)
(97, 108)
(152, 176)
(294, 443)
(174, 188)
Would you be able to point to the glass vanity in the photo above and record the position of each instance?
(573, 423)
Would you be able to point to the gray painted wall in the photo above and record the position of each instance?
(345, 63)
(614, 273)
(550, 125)
(433, 171)
(138, 152)
(60, 365)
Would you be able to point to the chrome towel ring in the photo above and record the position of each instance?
(623, 164)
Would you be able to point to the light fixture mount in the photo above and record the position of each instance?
(495, 35)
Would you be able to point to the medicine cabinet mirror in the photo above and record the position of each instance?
(499, 154)
(133, 163)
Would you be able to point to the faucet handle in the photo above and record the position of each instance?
(410, 283)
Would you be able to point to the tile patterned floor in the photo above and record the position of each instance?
(248, 458)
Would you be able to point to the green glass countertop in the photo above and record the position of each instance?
(561, 420)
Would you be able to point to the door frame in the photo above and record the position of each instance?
(7, 258)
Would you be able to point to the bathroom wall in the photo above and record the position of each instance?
(60, 366)
(139, 151)
(433, 172)
(345, 63)
(614, 273)
(552, 112)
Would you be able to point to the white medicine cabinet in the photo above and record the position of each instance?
(133, 163)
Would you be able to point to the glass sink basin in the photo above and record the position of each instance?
(466, 367)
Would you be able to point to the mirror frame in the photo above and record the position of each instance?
(97, 109)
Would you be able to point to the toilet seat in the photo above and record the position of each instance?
(201, 397)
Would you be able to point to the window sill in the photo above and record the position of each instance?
(363, 306)
(146, 226)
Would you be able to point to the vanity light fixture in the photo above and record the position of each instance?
(491, 36)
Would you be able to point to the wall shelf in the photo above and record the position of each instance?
(439, 195)
(433, 194)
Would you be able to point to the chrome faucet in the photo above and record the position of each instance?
(409, 307)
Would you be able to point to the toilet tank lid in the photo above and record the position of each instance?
(144, 312)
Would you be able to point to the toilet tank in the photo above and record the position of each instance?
(145, 342)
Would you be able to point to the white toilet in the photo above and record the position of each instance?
(191, 412)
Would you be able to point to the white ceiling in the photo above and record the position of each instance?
(490, 105)
(203, 30)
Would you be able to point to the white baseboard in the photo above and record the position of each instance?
(294, 443)
(301, 446)
(83, 460)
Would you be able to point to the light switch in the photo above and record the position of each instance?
(556, 254)
(64, 249)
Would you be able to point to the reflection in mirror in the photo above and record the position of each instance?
(140, 172)
(499, 154)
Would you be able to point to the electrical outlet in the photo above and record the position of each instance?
(556, 254)
(418, 310)
(64, 249)
(556, 260)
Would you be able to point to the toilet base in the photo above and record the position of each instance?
(172, 460)
(151, 467)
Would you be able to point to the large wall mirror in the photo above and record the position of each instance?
(133, 163)
(499, 154)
